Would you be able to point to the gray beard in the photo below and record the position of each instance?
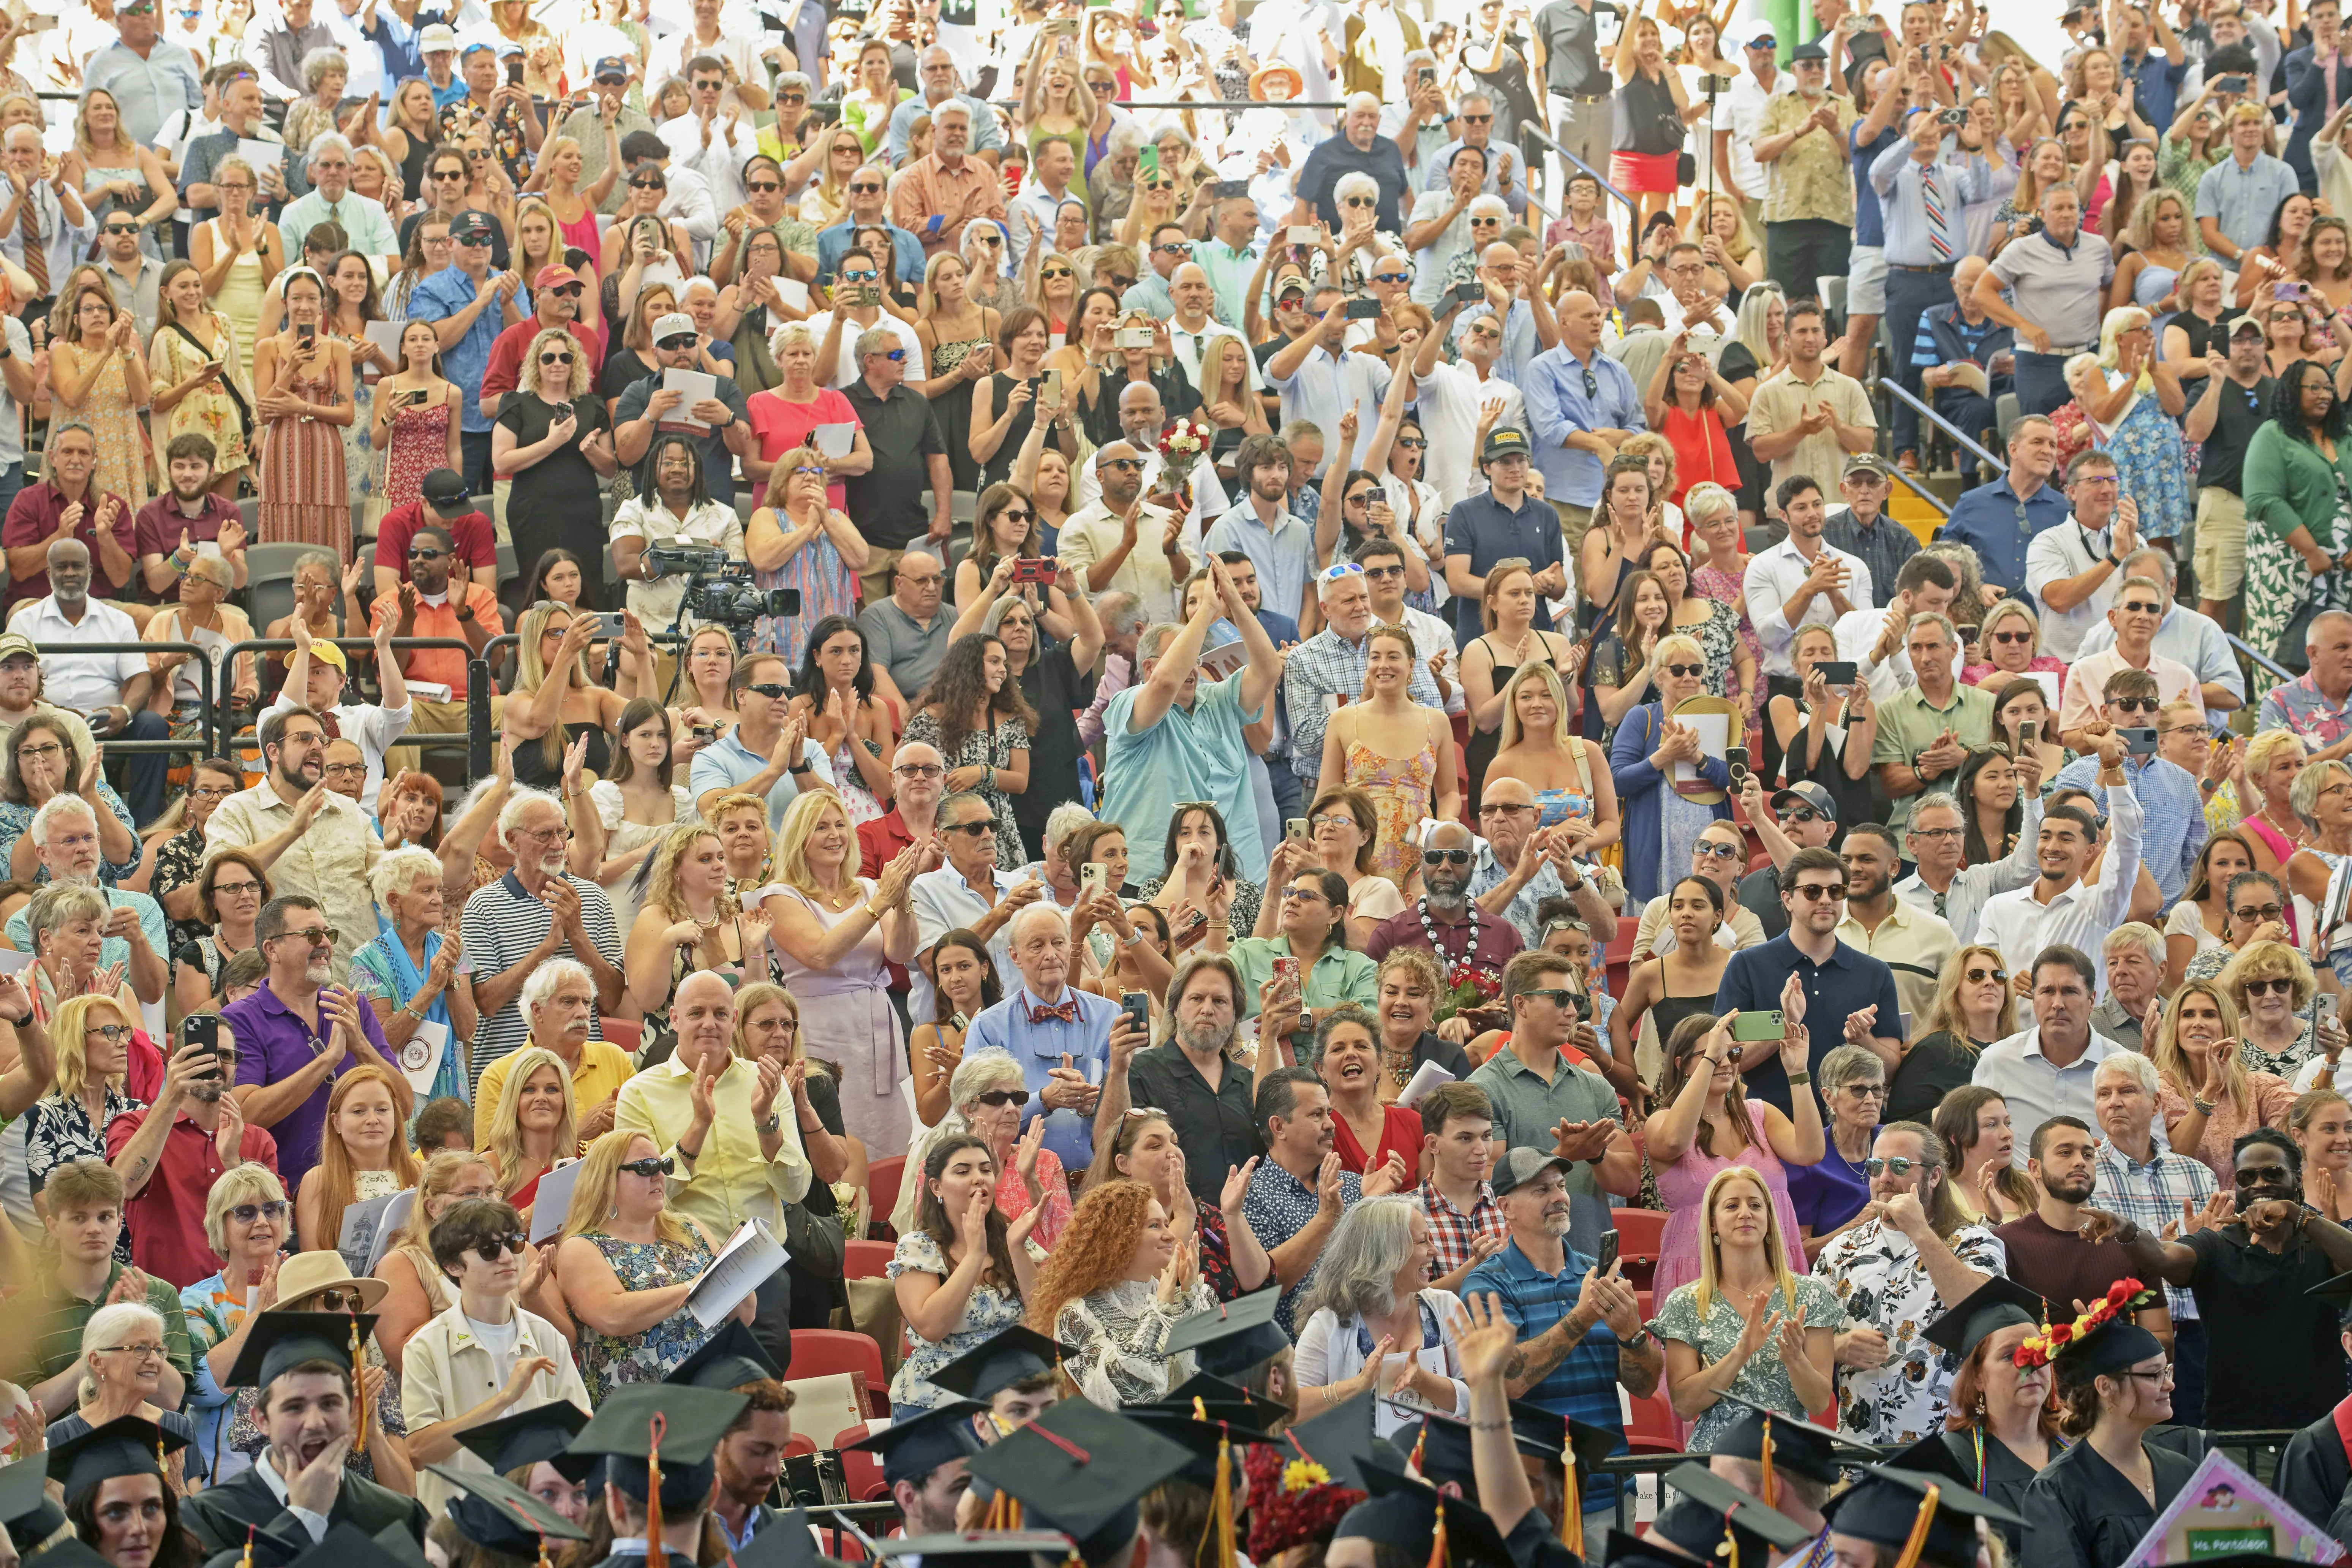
(1206, 1039)
(75, 879)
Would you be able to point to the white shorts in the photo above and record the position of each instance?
(1865, 286)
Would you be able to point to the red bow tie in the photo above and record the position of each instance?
(1068, 1011)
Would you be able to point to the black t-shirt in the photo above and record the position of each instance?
(2272, 1358)
(2243, 411)
(2206, 337)
(1929, 1070)
(623, 368)
(887, 500)
(1760, 895)
(498, 236)
(1054, 687)
(561, 484)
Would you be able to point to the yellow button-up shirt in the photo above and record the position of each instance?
(1912, 942)
(1810, 178)
(331, 861)
(603, 1068)
(730, 1181)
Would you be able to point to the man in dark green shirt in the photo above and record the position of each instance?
(84, 1213)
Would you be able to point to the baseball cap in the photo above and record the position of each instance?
(470, 225)
(1763, 39)
(444, 488)
(1524, 1164)
(1805, 793)
(1503, 443)
(478, 48)
(2245, 325)
(676, 323)
(12, 643)
(554, 275)
(612, 68)
(508, 46)
(326, 652)
(439, 35)
(1867, 463)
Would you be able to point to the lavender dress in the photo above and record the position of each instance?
(846, 1017)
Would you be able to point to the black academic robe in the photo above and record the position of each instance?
(218, 1515)
(2005, 1479)
(2080, 1511)
(2313, 1471)
(1534, 1543)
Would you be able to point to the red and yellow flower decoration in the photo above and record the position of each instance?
(2121, 1299)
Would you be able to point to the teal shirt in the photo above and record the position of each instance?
(1195, 755)
(1229, 271)
(1340, 976)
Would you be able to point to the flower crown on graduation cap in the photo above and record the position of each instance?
(2123, 1298)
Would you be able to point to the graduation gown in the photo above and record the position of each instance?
(1533, 1544)
(2080, 1511)
(2313, 1471)
(2005, 1479)
(218, 1515)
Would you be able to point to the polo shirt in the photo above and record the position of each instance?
(1040, 1047)
(156, 531)
(2063, 289)
(59, 1343)
(33, 517)
(1910, 942)
(727, 762)
(1485, 530)
(907, 648)
(1849, 981)
(1191, 754)
(887, 500)
(499, 925)
(2243, 199)
(1528, 1105)
(273, 1044)
(1909, 723)
(1216, 1128)
(1337, 975)
(1993, 521)
(2037, 1090)
(467, 362)
(601, 1071)
(167, 1218)
(879, 839)
(1566, 395)
(1583, 1386)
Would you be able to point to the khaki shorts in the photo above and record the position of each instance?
(2220, 556)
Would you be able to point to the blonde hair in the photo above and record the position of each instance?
(1549, 678)
(576, 383)
(792, 840)
(592, 1192)
(2269, 960)
(250, 1183)
(2171, 1060)
(750, 1000)
(506, 1152)
(1943, 1014)
(927, 298)
(531, 668)
(2115, 323)
(82, 143)
(1710, 1264)
(661, 881)
(66, 1027)
(1679, 643)
(439, 1175)
(2262, 750)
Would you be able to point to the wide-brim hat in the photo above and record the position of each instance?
(308, 1273)
(1265, 74)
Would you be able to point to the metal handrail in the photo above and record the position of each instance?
(349, 645)
(130, 748)
(1896, 389)
(2249, 651)
(1633, 207)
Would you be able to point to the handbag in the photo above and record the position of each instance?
(225, 383)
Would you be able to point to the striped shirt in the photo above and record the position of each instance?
(1583, 1386)
(2151, 1195)
(501, 925)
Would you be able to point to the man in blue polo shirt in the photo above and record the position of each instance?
(1580, 1331)
(1842, 995)
(2000, 519)
(469, 307)
(1502, 522)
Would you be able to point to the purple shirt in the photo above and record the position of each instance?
(273, 1044)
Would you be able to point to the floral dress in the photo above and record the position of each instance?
(1120, 1334)
(122, 467)
(420, 444)
(607, 1362)
(1053, 1203)
(360, 458)
(1718, 639)
(2154, 468)
(988, 1312)
(1725, 590)
(178, 860)
(1764, 1380)
(59, 1131)
(209, 410)
(993, 749)
(1400, 788)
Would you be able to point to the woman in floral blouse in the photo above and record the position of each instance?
(963, 1272)
(1144, 1149)
(91, 1036)
(180, 858)
(246, 1220)
(1116, 1291)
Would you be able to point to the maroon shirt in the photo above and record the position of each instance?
(33, 517)
(477, 545)
(167, 1217)
(158, 528)
(1498, 940)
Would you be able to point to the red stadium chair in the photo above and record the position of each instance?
(867, 1260)
(802, 1443)
(861, 1471)
(823, 1352)
(1618, 955)
(627, 1032)
(1654, 1430)
(1640, 1234)
(882, 1179)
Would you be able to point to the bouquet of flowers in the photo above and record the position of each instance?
(1468, 989)
(1183, 443)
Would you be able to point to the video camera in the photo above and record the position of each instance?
(719, 588)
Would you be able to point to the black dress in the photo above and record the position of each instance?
(1668, 1011)
(1054, 686)
(1929, 1070)
(999, 467)
(557, 500)
(2004, 1480)
(2080, 1511)
(530, 758)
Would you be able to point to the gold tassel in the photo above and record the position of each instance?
(1221, 1507)
(359, 1394)
(1571, 1510)
(1917, 1541)
(246, 1560)
(544, 1562)
(1437, 1542)
(1419, 1444)
(1768, 1489)
(656, 1553)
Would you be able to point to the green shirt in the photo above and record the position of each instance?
(1908, 724)
(1340, 976)
(59, 1345)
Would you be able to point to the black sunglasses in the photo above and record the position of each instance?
(1000, 1098)
(973, 828)
(660, 1165)
(1442, 856)
(771, 690)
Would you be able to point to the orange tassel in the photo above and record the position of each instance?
(656, 1553)
(246, 1560)
(543, 1561)
(1917, 1541)
(358, 1395)
(1220, 1537)
(1571, 1510)
(1769, 1489)
(1419, 1444)
(1437, 1542)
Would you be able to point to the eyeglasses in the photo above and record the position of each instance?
(246, 1213)
(1017, 514)
(112, 1034)
(1816, 891)
(1000, 1098)
(2257, 912)
(210, 792)
(918, 770)
(1896, 1166)
(46, 750)
(662, 1165)
(1381, 574)
(144, 1353)
(1413, 443)
(122, 228)
(448, 174)
(1720, 850)
(1444, 856)
(559, 359)
(1863, 1091)
(2283, 986)
(1339, 573)
(1290, 893)
(2160, 1377)
(490, 1249)
(317, 936)
(974, 828)
(569, 291)
(771, 690)
(334, 769)
(1686, 669)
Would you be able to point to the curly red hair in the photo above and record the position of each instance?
(1093, 1249)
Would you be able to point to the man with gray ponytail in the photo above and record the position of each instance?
(1912, 1258)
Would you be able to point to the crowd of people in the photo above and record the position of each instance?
(1241, 680)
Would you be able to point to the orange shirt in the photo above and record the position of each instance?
(445, 666)
(956, 196)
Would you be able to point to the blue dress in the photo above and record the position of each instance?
(2152, 466)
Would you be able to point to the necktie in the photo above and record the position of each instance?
(1939, 905)
(37, 258)
(1931, 199)
(335, 733)
(1067, 1013)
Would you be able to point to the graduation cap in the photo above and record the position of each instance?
(1004, 1359)
(976, 1548)
(268, 1551)
(1340, 1440)
(783, 1541)
(278, 1343)
(728, 1359)
(1200, 1437)
(26, 1509)
(1796, 1444)
(1238, 1335)
(1082, 1469)
(542, 1434)
(2110, 1348)
(2338, 1293)
(914, 1447)
(1224, 1401)
(1998, 1303)
(1402, 1509)
(403, 1547)
(664, 1430)
(69, 1552)
(1710, 1511)
(347, 1546)
(499, 1516)
(126, 1446)
(1623, 1549)
(1441, 1448)
(1888, 1505)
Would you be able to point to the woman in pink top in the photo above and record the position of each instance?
(786, 416)
(1705, 1122)
(2274, 758)
(2205, 1092)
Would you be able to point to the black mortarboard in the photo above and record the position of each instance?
(1404, 1510)
(1886, 1504)
(1199, 1438)
(783, 1541)
(2112, 1348)
(1340, 1440)
(1002, 1360)
(1225, 1401)
(69, 1553)
(1998, 1303)
(268, 1551)
(403, 1547)
(980, 1548)
(346, 1545)
(24, 1505)
(1623, 1549)
(1238, 1335)
(544, 1432)
(278, 1343)
(493, 1512)
(1082, 1471)
(729, 1358)
(913, 1448)
(126, 1446)
(693, 1420)
(1707, 1508)
(1798, 1445)
(1443, 1443)
(2336, 1292)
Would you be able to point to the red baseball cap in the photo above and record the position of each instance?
(553, 275)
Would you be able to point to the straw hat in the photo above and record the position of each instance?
(308, 1273)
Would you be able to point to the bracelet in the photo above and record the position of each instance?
(1799, 1078)
(870, 914)
(2204, 1107)
(1489, 1425)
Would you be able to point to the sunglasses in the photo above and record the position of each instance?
(246, 1213)
(1897, 1167)
(1802, 814)
(321, 936)
(1443, 856)
(556, 359)
(2136, 705)
(1000, 1098)
(1686, 669)
(1978, 977)
(490, 1249)
(569, 291)
(757, 186)
(864, 187)
(2012, 636)
(771, 690)
(1047, 271)
(658, 1165)
(974, 828)
(339, 1302)
(678, 340)
(2252, 913)
(1360, 202)
(2282, 985)
(1721, 851)
(1816, 891)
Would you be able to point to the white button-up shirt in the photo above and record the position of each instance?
(1326, 385)
(2019, 925)
(657, 603)
(81, 681)
(943, 902)
(2038, 1089)
(1777, 574)
(2056, 554)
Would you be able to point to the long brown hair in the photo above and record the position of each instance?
(1094, 1250)
(1681, 1048)
(931, 1217)
(338, 1181)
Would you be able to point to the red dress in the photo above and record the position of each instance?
(420, 444)
(1400, 1132)
(1702, 451)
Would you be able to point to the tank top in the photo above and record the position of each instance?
(1643, 118)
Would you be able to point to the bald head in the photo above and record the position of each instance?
(1189, 287)
(1140, 415)
(914, 585)
(1118, 467)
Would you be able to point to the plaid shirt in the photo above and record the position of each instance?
(1327, 664)
(2151, 1195)
(1584, 1386)
(1451, 1231)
